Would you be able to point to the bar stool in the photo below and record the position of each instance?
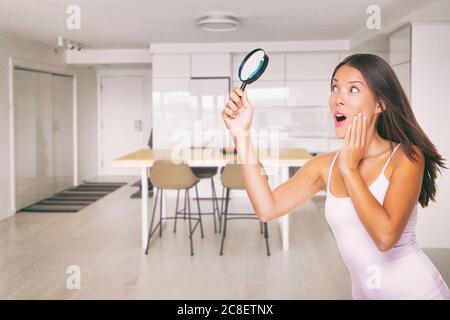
(207, 173)
(233, 179)
(166, 175)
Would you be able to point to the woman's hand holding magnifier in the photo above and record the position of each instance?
(238, 112)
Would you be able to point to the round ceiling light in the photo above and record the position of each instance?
(217, 23)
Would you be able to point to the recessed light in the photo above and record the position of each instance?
(218, 23)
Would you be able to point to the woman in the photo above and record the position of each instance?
(386, 166)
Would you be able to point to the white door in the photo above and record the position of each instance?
(121, 120)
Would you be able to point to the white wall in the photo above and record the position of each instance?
(400, 56)
(430, 87)
(378, 45)
(22, 49)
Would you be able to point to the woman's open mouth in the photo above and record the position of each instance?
(339, 119)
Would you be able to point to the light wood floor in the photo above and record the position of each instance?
(104, 241)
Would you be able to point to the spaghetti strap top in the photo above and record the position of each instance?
(379, 176)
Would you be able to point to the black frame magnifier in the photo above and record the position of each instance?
(252, 67)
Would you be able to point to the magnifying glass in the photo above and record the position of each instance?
(252, 67)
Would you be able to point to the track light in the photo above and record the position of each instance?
(69, 44)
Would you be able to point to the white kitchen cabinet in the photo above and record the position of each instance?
(316, 145)
(312, 122)
(311, 66)
(211, 65)
(308, 93)
(181, 106)
(266, 93)
(275, 69)
(208, 98)
(171, 65)
(296, 104)
(171, 110)
(312, 145)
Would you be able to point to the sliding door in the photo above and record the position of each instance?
(43, 135)
(33, 137)
(62, 125)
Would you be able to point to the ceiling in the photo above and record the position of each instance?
(137, 23)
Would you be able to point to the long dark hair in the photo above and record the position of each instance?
(397, 123)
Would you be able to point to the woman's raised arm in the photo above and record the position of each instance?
(267, 204)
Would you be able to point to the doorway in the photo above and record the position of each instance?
(124, 112)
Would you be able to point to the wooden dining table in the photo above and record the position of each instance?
(276, 164)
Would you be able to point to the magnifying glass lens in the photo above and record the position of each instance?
(252, 67)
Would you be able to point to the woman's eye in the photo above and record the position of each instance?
(354, 90)
(333, 87)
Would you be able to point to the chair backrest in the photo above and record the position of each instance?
(233, 178)
(165, 174)
(204, 172)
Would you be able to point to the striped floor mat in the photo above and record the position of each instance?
(75, 198)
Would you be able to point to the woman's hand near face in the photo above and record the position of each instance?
(354, 145)
(238, 112)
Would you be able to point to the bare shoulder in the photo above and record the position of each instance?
(401, 161)
(321, 163)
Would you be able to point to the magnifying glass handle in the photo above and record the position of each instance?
(243, 85)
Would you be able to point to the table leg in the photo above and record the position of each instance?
(284, 220)
(277, 177)
(144, 206)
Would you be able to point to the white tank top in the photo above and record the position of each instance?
(349, 231)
